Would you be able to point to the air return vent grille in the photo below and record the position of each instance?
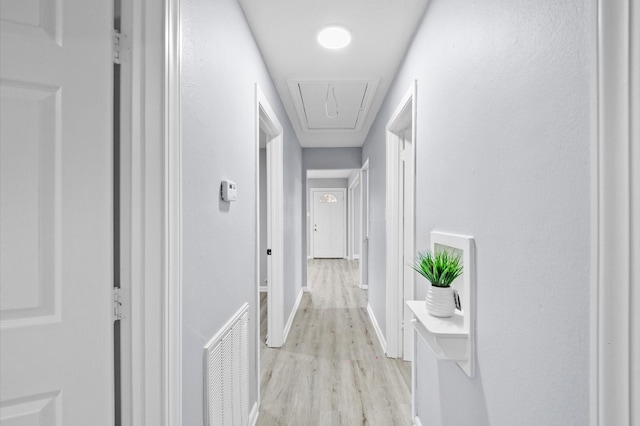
(226, 359)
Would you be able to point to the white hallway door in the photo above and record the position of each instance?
(328, 223)
(56, 332)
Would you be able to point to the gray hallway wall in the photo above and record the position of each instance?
(505, 119)
(218, 142)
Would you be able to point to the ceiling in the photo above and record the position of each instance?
(332, 96)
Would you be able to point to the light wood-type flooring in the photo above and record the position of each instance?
(332, 370)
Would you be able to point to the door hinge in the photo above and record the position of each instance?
(118, 304)
(117, 44)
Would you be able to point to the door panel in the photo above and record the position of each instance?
(328, 224)
(56, 213)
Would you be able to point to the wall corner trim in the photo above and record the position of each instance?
(616, 238)
(292, 315)
(253, 415)
(172, 309)
(376, 327)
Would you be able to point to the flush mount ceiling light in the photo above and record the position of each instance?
(334, 37)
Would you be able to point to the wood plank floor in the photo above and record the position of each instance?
(332, 370)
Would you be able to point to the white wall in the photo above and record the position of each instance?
(220, 64)
(503, 139)
(331, 158)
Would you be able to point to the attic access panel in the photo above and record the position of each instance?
(332, 105)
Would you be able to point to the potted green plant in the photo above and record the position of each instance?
(440, 269)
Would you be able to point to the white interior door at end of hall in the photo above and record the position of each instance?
(56, 328)
(328, 224)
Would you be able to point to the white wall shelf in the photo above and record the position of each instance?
(446, 337)
(452, 338)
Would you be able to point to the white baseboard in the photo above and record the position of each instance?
(417, 422)
(287, 327)
(364, 286)
(264, 289)
(309, 257)
(356, 257)
(305, 289)
(253, 415)
(376, 327)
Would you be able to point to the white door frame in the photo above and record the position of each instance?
(171, 172)
(152, 44)
(156, 215)
(363, 265)
(615, 325)
(155, 300)
(350, 206)
(123, 255)
(399, 241)
(267, 121)
(157, 178)
(343, 215)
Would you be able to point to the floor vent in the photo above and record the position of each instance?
(226, 359)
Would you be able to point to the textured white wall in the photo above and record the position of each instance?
(220, 65)
(503, 140)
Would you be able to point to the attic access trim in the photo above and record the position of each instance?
(332, 105)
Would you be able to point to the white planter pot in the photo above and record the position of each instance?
(440, 302)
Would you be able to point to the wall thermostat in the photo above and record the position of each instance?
(228, 190)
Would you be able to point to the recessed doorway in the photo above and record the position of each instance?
(269, 211)
(328, 214)
(400, 250)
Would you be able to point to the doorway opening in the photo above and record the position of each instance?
(332, 181)
(354, 218)
(400, 249)
(269, 212)
(364, 226)
(122, 216)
